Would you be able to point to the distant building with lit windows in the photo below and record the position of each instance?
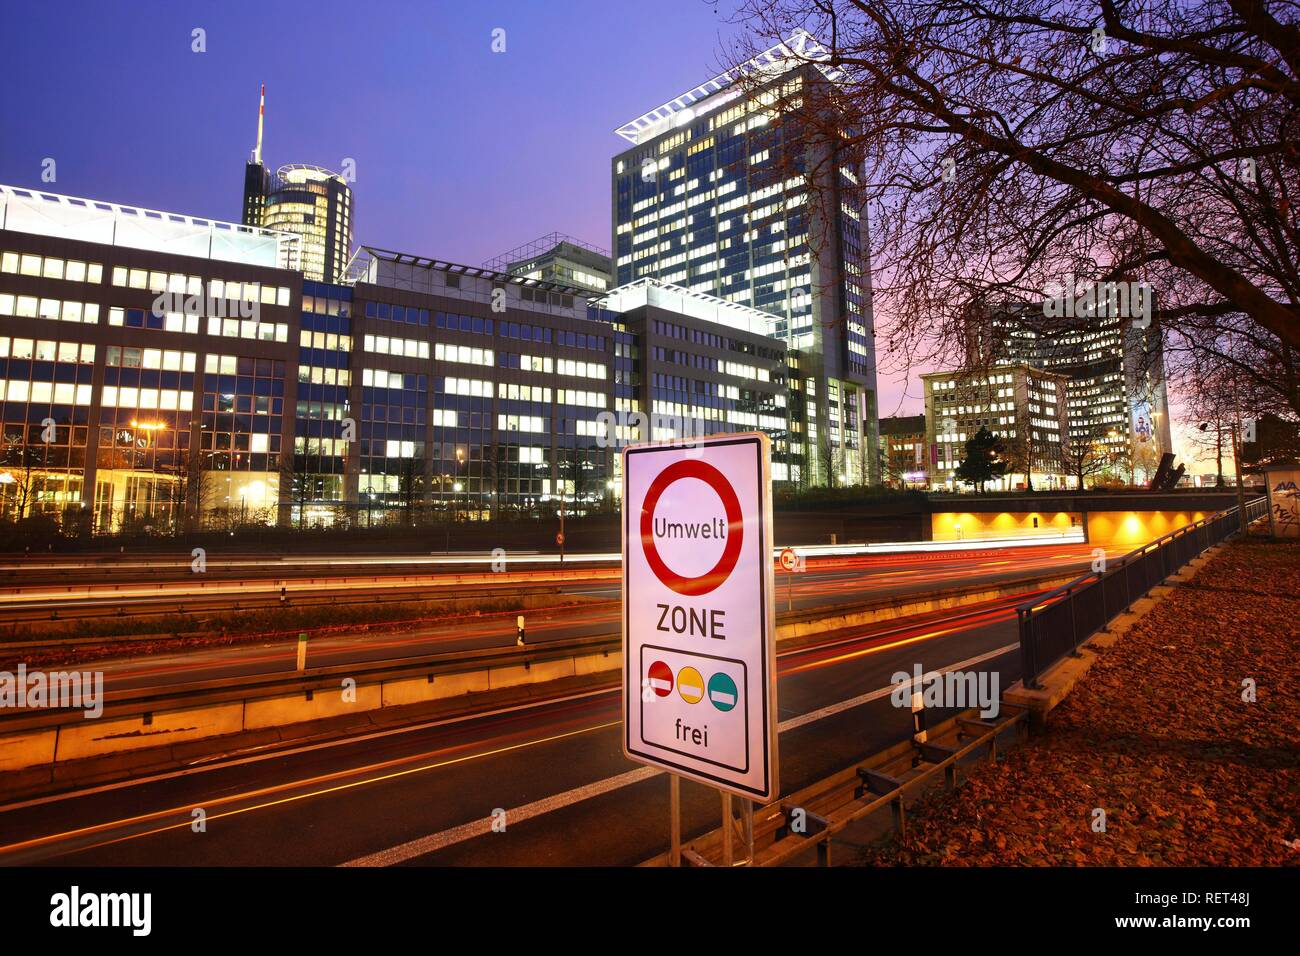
(904, 453)
(1116, 388)
(712, 196)
(316, 205)
(310, 202)
(558, 258)
(1022, 405)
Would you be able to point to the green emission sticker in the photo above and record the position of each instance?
(722, 692)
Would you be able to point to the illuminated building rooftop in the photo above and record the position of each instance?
(92, 220)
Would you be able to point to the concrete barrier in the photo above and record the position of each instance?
(89, 738)
(318, 705)
(30, 749)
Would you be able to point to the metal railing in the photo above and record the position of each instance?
(1053, 625)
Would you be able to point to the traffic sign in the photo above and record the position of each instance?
(559, 539)
(698, 616)
(792, 560)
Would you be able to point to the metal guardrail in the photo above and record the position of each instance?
(1053, 625)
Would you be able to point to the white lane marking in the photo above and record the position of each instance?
(467, 831)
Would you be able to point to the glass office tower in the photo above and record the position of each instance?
(316, 204)
(1116, 388)
(725, 191)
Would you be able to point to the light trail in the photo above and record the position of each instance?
(335, 782)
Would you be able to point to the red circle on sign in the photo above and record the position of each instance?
(661, 678)
(710, 580)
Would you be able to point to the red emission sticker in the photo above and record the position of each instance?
(660, 676)
(710, 580)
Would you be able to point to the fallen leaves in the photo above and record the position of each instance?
(1160, 736)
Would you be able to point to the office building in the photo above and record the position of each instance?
(159, 369)
(904, 455)
(1116, 390)
(1023, 405)
(558, 258)
(698, 366)
(143, 359)
(715, 193)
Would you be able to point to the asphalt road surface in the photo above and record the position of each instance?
(427, 794)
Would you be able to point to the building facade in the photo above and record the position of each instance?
(558, 258)
(1116, 389)
(724, 191)
(158, 370)
(904, 452)
(696, 366)
(138, 349)
(481, 389)
(1024, 406)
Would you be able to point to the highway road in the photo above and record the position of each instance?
(827, 582)
(44, 588)
(426, 795)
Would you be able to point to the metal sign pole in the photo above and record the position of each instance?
(728, 826)
(747, 825)
(674, 820)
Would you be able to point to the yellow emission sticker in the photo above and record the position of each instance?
(690, 685)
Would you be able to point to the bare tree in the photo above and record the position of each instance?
(1014, 145)
(411, 482)
(1085, 457)
(18, 461)
(298, 486)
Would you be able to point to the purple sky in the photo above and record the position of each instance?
(460, 153)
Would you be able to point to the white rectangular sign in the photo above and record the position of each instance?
(699, 642)
(1284, 501)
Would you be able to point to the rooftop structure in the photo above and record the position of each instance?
(698, 305)
(799, 48)
(92, 220)
(537, 247)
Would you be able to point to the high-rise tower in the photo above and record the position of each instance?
(307, 201)
(726, 191)
(256, 180)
